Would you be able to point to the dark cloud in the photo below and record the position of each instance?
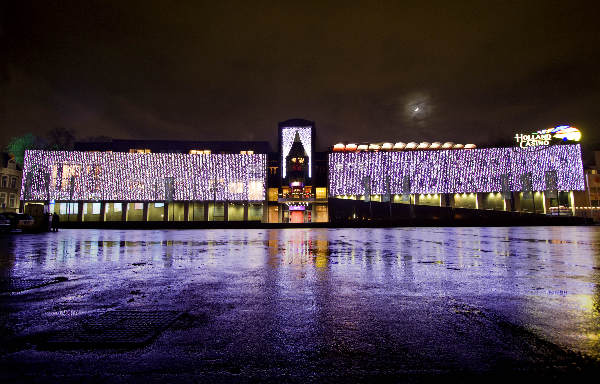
(231, 70)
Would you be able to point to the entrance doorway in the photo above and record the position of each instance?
(296, 216)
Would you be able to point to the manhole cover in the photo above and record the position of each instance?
(19, 285)
(120, 328)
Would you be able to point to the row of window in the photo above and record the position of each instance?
(12, 200)
(191, 152)
(5, 182)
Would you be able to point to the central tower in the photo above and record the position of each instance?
(296, 146)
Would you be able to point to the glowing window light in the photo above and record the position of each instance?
(435, 145)
(454, 171)
(399, 145)
(423, 145)
(387, 146)
(470, 146)
(363, 147)
(447, 145)
(411, 145)
(142, 177)
(458, 146)
(351, 147)
(374, 147)
(339, 147)
(287, 139)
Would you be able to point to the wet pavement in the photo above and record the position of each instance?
(303, 305)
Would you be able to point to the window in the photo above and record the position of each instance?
(69, 208)
(95, 208)
(273, 194)
(12, 201)
(321, 192)
(2, 200)
(13, 182)
(199, 152)
(255, 190)
(4, 181)
(70, 173)
(139, 150)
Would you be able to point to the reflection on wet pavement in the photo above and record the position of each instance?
(313, 291)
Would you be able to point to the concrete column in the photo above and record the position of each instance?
(145, 212)
(447, 200)
(572, 202)
(226, 211)
(479, 200)
(265, 217)
(102, 211)
(186, 211)
(166, 212)
(80, 211)
(245, 211)
(124, 207)
(517, 201)
(206, 211)
(546, 202)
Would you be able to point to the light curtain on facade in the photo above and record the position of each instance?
(56, 175)
(455, 171)
(287, 139)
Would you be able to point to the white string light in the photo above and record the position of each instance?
(454, 171)
(142, 177)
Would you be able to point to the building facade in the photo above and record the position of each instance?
(123, 186)
(534, 179)
(10, 183)
(588, 201)
(297, 176)
(148, 180)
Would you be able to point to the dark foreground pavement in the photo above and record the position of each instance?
(422, 305)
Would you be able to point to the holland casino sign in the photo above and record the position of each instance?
(533, 140)
(545, 136)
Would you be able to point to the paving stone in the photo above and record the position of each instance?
(118, 328)
(19, 285)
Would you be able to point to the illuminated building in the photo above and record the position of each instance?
(144, 186)
(298, 180)
(485, 178)
(151, 180)
(587, 202)
(10, 183)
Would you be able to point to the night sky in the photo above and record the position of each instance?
(364, 71)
